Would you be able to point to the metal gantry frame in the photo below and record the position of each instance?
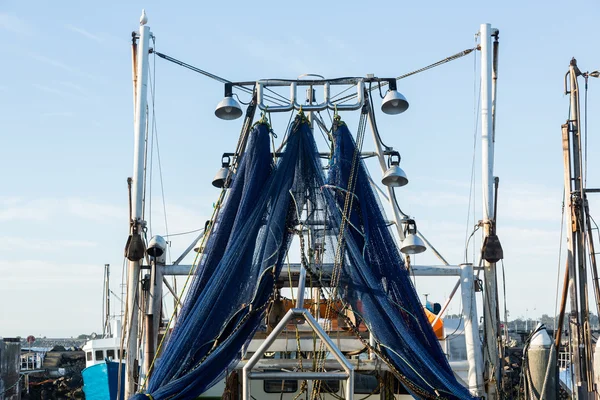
(464, 271)
(347, 375)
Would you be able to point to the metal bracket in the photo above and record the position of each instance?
(327, 103)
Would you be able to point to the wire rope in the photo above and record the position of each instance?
(476, 105)
(430, 66)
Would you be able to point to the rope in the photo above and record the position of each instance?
(339, 255)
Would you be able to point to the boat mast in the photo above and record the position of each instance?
(106, 329)
(137, 224)
(490, 306)
(576, 200)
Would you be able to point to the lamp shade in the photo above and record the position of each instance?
(394, 177)
(228, 109)
(394, 103)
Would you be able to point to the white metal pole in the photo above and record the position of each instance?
(487, 179)
(474, 354)
(398, 218)
(487, 142)
(137, 205)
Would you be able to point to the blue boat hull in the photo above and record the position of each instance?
(101, 381)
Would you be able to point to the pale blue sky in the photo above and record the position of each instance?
(66, 129)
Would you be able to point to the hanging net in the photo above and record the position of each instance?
(266, 205)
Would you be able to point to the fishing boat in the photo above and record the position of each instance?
(301, 285)
(104, 355)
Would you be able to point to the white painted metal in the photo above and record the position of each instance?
(327, 268)
(394, 103)
(398, 216)
(293, 103)
(137, 204)
(474, 354)
(487, 179)
(298, 375)
(335, 352)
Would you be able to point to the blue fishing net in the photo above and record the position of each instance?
(376, 283)
(252, 234)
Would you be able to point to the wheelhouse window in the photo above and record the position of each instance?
(366, 384)
(88, 356)
(99, 355)
(279, 386)
(110, 354)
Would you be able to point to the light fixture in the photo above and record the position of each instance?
(157, 246)
(220, 178)
(393, 102)
(157, 249)
(394, 176)
(228, 108)
(412, 244)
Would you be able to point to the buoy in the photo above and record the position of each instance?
(540, 366)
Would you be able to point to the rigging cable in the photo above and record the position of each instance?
(155, 140)
(374, 121)
(218, 78)
(184, 233)
(476, 105)
(430, 66)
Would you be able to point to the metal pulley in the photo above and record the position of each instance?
(492, 249)
(135, 248)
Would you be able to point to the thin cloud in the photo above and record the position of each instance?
(44, 209)
(50, 90)
(60, 65)
(85, 33)
(66, 114)
(8, 243)
(12, 23)
(72, 86)
(50, 61)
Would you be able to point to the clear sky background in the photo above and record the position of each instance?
(66, 127)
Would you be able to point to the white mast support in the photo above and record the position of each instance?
(137, 206)
(327, 268)
(398, 217)
(487, 161)
(153, 314)
(474, 354)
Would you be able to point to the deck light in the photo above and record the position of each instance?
(394, 102)
(228, 108)
(412, 244)
(221, 177)
(394, 176)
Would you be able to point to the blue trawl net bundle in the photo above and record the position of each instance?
(226, 302)
(266, 205)
(376, 283)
